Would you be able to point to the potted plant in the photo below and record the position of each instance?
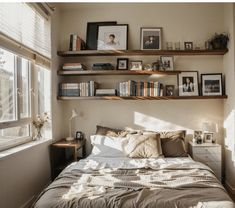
(219, 41)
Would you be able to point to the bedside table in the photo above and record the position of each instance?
(65, 152)
(209, 154)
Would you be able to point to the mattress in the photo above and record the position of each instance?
(124, 182)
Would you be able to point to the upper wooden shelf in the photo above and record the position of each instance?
(115, 72)
(140, 52)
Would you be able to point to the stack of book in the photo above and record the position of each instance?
(74, 66)
(133, 88)
(78, 89)
(106, 92)
(102, 66)
(76, 43)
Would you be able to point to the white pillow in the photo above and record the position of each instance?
(106, 146)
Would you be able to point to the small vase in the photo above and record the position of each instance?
(38, 134)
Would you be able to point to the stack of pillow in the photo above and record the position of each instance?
(110, 142)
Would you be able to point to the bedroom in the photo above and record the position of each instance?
(27, 169)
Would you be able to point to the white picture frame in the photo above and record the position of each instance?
(208, 137)
(188, 83)
(113, 37)
(167, 63)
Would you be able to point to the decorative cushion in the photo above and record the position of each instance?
(106, 131)
(143, 146)
(172, 143)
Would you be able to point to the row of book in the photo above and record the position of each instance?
(74, 67)
(139, 88)
(78, 89)
(76, 43)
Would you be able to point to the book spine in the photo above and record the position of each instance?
(71, 42)
(74, 42)
(78, 43)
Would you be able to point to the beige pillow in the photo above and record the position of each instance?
(106, 131)
(143, 146)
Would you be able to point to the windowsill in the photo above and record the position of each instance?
(28, 145)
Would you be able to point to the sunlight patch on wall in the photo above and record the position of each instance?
(229, 125)
(155, 124)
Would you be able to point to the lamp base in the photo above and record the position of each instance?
(69, 138)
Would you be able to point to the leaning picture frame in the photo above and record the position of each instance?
(151, 38)
(188, 83)
(212, 84)
(92, 33)
(113, 37)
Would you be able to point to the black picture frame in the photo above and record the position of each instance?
(126, 63)
(150, 29)
(170, 90)
(221, 90)
(92, 33)
(188, 46)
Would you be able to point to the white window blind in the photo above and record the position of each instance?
(19, 21)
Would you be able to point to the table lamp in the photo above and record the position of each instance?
(74, 115)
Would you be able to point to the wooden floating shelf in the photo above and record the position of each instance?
(115, 72)
(140, 52)
(143, 98)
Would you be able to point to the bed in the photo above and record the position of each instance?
(111, 179)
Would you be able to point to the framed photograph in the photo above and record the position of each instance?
(198, 137)
(167, 63)
(188, 83)
(208, 137)
(211, 84)
(136, 65)
(113, 37)
(122, 63)
(151, 38)
(188, 45)
(170, 90)
(92, 33)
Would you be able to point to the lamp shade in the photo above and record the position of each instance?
(209, 127)
(74, 114)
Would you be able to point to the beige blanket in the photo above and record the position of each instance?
(183, 185)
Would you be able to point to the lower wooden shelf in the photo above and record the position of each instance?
(142, 98)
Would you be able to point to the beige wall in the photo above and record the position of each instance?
(180, 22)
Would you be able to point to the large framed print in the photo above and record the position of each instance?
(113, 37)
(188, 83)
(151, 38)
(92, 33)
(211, 84)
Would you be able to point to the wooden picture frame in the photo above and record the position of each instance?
(188, 83)
(151, 38)
(92, 33)
(212, 84)
(136, 65)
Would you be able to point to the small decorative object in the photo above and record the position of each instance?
(209, 128)
(92, 33)
(113, 37)
(188, 83)
(167, 63)
(74, 115)
(79, 135)
(170, 90)
(219, 41)
(198, 137)
(188, 45)
(208, 45)
(208, 137)
(136, 65)
(38, 124)
(169, 46)
(156, 65)
(122, 63)
(211, 84)
(177, 45)
(148, 67)
(151, 38)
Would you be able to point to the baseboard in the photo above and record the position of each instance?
(28, 203)
(230, 188)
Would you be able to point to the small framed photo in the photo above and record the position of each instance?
(151, 38)
(113, 37)
(170, 90)
(167, 63)
(211, 84)
(208, 137)
(188, 83)
(198, 137)
(188, 45)
(122, 63)
(136, 65)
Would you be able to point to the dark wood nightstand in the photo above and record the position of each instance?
(65, 152)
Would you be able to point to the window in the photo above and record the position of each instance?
(15, 99)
